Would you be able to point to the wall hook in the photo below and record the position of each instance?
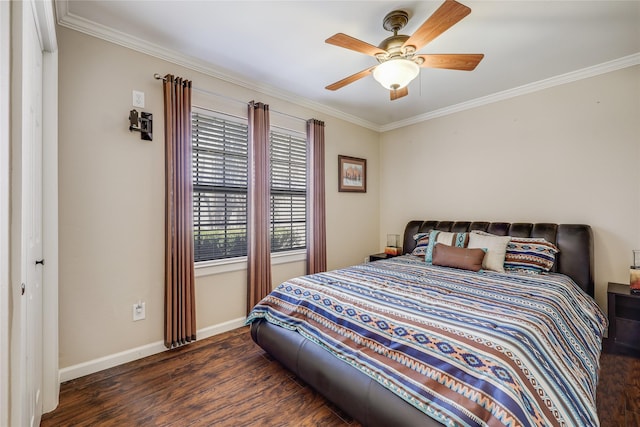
(142, 123)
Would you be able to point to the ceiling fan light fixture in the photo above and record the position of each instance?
(395, 74)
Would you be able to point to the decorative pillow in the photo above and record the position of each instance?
(422, 241)
(464, 258)
(531, 254)
(496, 247)
(446, 238)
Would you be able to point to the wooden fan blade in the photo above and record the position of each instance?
(352, 78)
(399, 93)
(447, 15)
(348, 42)
(452, 61)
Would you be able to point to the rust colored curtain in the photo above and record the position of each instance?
(316, 225)
(180, 311)
(258, 198)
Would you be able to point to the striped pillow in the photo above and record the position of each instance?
(422, 241)
(458, 240)
(535, 255)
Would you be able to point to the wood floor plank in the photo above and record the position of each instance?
(611, 404)
(227, 380)
(160, 376)
(633, 419)
(273, 394)
(269, 383)
(162, 399)
(159, 358)
(311, 410)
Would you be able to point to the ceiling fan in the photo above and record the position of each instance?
(398, 62)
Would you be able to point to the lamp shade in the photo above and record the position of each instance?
(396, 73)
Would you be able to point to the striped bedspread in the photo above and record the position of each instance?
(468, 349)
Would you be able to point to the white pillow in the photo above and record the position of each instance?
(496, 247)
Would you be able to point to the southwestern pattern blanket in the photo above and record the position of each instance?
(468, 349)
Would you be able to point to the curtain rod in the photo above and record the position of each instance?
(219, 95)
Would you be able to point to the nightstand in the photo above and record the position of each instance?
(378, 257)
(624, 320)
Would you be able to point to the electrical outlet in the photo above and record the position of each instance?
(138, 99)
(139, 312)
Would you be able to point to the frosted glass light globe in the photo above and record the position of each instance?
(395, 74)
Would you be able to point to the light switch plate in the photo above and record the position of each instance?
(138, 99)
(139, 312)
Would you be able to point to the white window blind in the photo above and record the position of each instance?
(220, 165)
(288, 191)
(219, 187)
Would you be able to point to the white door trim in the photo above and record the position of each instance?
(28, 308)
(50, 367)
(45, 24)
(5, 108)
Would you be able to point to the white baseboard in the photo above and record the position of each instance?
(212, 330)
(96, 365)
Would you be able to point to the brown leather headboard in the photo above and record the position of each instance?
(575, 242)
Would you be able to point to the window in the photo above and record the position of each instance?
(288, 191)
(219, 187)
(220, 164)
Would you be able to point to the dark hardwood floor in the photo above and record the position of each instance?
(227, 380)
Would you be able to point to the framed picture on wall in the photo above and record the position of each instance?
(352, 174)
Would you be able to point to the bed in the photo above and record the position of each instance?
(511, 347)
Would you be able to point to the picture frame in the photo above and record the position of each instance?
(352, 174)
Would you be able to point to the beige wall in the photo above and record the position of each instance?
(112, 193)
(566, 154)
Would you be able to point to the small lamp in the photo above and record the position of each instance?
(395, 74)
(393, 247)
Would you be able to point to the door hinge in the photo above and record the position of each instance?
(22, 287)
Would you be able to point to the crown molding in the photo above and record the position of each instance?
(607, 67)
(45, 24)
(74, 22)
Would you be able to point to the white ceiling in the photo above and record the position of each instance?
(277, 47)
